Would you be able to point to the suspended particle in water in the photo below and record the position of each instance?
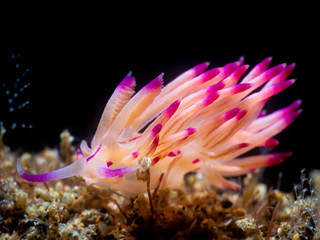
(13, 94)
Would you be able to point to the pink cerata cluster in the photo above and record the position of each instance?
(202, 121)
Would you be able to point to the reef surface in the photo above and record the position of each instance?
(69, 209)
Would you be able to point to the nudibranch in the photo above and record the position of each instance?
(202, 121)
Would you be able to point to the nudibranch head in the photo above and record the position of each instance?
(201, 121)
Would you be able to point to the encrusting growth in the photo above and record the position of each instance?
(201, 121)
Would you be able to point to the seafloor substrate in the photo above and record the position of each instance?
(68, 209)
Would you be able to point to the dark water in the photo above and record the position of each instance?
(72, 75)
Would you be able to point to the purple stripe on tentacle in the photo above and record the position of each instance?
(73, 169)
(107, 172)
(89, 158)
(132, 139)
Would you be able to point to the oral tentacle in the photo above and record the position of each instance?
(74, 169)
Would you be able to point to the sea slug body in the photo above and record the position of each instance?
(203, 121)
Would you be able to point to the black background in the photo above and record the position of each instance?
(78, 56)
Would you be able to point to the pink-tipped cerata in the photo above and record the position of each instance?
(172, 108)
(271, 142)
(155, 84)
(203, 121)
(230, 114)
(240, 88)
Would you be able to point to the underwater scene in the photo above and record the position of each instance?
(163, 123)
(203, 152)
